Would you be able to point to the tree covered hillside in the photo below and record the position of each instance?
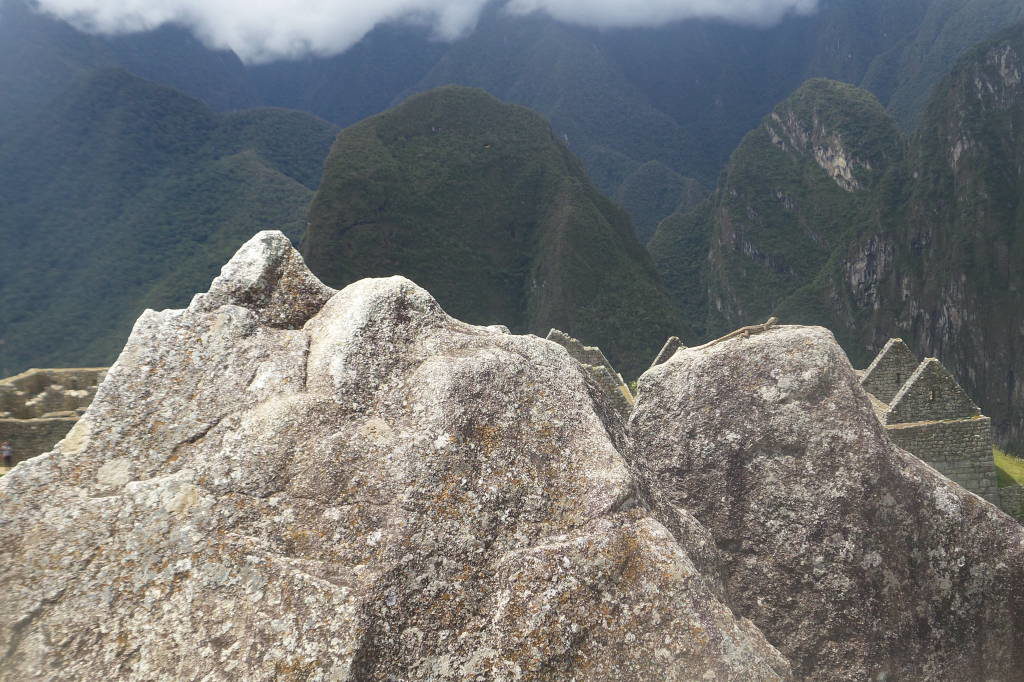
(125, 195)
(680, 96)
(478, 202)
(827, 215)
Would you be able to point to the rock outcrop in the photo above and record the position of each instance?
(286, 482)
(857, 560)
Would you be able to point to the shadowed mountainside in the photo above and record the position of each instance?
(479, 201)
(124, 195)
(827, 215)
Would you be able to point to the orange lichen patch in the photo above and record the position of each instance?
(296, 669)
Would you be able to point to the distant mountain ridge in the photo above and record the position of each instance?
(828, 215)
(653, 113)
(124, 195)
(682, 95)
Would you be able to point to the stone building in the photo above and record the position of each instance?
(594, 360)
(928, 414)
(668, 350)
(39, 407)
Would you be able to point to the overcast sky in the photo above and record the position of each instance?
(263, 30)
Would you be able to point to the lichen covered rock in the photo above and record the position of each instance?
(284, 482)
(857, 560)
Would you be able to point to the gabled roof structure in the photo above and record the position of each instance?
(931, 394)
(668, 350)
(887, 373)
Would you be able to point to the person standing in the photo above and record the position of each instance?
(8, 453)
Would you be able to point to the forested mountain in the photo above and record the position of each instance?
(827, 214)
(477, 201)
(124, 195)
(681, 96)
(94, 158)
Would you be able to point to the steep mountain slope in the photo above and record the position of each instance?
(654, 191)
(563, 74)
(945, 271)
(827, 215)
(681, 96)
(39, 58)
(791, 195)
(478, 201)
(126, 195)
(905, 75)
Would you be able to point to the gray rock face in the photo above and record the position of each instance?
(856, 560)
(284, 482)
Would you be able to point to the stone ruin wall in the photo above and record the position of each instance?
(31, 437)
(44, 392)
(960, 450)
(594, 360)
(890, 370)
(39, 407)
(931, 394)
(930, 416)
(1011, 500)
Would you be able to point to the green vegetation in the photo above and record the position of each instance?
(1009, 469)
(828, 215)
(127, 195)
(557, 71)
(479, 203)
(641, 108)
(777, 216)
(653, 192)
(905, 75)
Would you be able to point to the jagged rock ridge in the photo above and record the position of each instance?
(856, 559)
(287, 482)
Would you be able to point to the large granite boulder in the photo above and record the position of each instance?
(857, 560)
(287, 482)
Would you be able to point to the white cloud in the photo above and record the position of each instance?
(262, 30)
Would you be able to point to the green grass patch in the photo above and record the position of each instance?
(1009, 469)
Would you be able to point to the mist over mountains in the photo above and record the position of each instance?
(276, 29)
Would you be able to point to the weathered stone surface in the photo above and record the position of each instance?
(960, 449)
(268, 277)
(857, 560)
(282, 483)
(600, 370)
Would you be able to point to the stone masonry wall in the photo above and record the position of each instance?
(886, 375)
(39, 407)
(961, 450)
(31, 437)
(667, 351)
(595, 361)
(40, 392)
(587, 355)
(930, 394)
(1011, 500)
